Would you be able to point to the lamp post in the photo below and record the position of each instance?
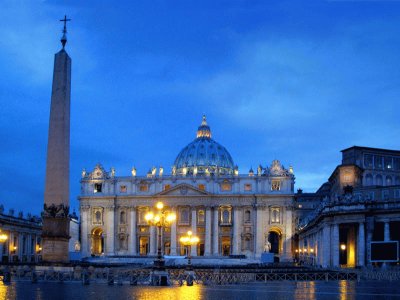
(189, 240)
(160, 218)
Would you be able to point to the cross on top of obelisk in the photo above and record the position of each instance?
(64, 37)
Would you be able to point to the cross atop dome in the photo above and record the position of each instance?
(204, 130)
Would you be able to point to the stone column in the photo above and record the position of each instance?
(236, 231)
(335, 245)
(369, 229)
(85, 247)
(361, 245)
(216, 232)
(173, 233)
(207, 248)
(110, 231)
(288, 235)
(153, 240)
(326, 246)
(194, 230)
(386, 232)
(132, 246)
(260, 238)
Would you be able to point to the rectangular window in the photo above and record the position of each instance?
(276, 185)
(378, 162)
(184, 216)
(167, 187)
(143, 188)
(226, 186)
(275, 218)
(247, 187)
(368, 161)
(122, 189)
(202, 187)
(97, 187)
(396, 164)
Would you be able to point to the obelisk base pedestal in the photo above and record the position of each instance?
(55, 239)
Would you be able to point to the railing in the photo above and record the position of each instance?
(177, 276)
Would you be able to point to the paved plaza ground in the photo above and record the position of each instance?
(270, 290)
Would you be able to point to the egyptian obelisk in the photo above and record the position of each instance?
(55, 235)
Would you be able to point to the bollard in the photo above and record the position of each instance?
(60, 277)
(7, 277)
(133, 280)
(189, 280)
(110, 279)
(34, 277)
(119, 281)
(85, 278)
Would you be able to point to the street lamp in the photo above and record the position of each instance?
(189, 240)
(160, 219)
(3, 239)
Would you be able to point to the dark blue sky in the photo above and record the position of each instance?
(296, 81)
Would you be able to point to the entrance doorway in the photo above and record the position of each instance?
(226, 245)
(274, 240)
(97, 241)
(143, 245)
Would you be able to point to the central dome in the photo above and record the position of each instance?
(203, 156)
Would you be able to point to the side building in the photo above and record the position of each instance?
(231, 213)
(21, 241)
(357, 221)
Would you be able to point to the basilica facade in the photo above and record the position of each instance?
(233, 214)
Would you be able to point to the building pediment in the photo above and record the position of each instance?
(183, 190)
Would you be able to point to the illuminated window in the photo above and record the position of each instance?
(167, 187)
(388, 163)
(200, 217)
(143, 188)
(347, 176)
(275, 218)
(122, 189)
(202, 187)
(276, 185)
(97, 187)
(226, 186)
(247, 187)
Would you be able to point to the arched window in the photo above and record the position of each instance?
(378, 180)
(122, 218)
(247, 216)
(397, 180)
(389, 180)
(368, 179)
